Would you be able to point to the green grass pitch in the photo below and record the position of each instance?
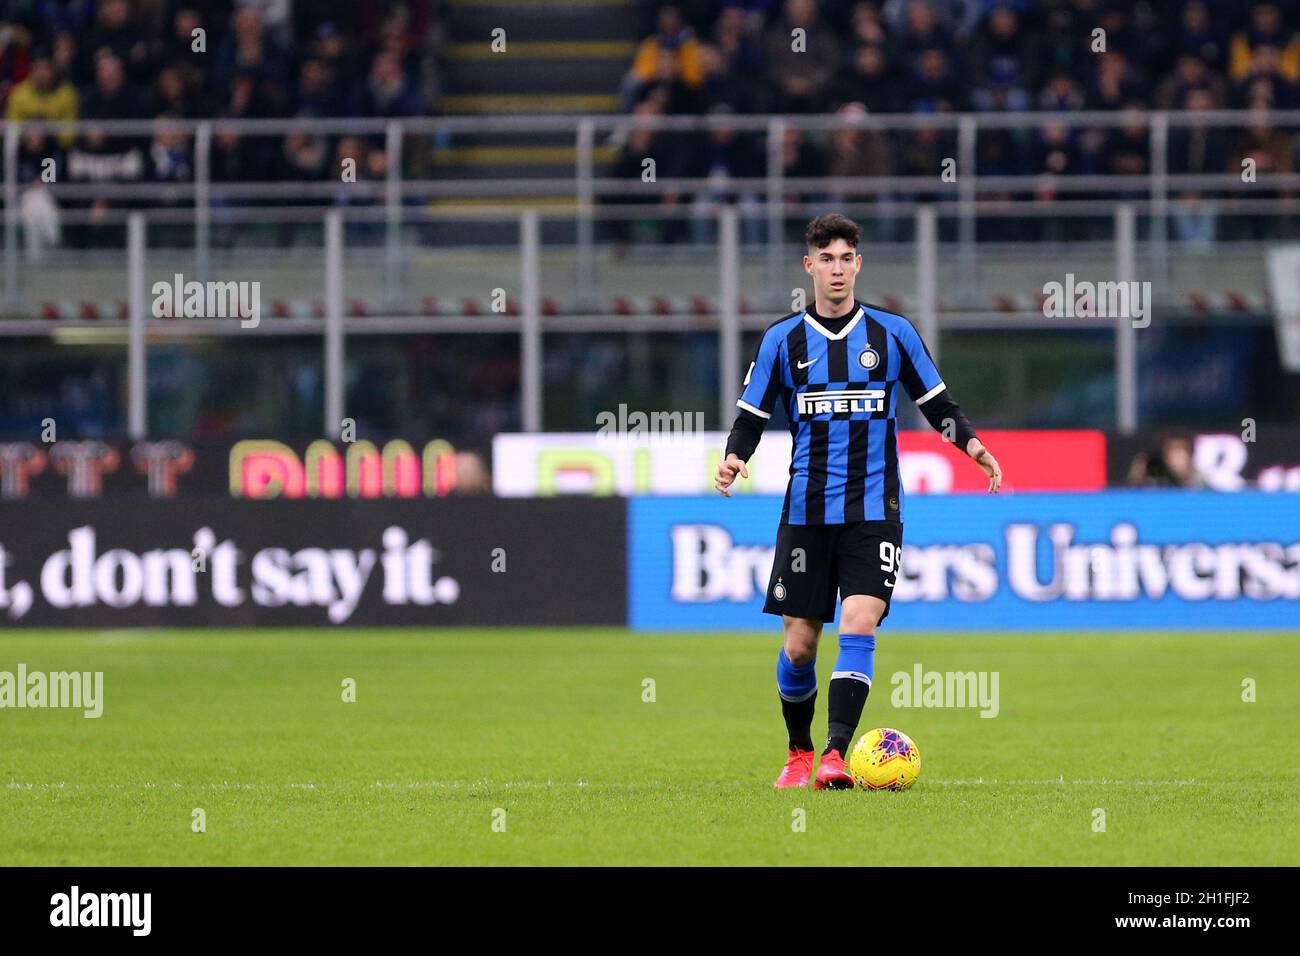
(451, 727)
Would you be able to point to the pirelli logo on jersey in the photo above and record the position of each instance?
(852, 400)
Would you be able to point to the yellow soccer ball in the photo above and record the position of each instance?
(885, 759)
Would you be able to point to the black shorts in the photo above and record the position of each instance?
(857, 558)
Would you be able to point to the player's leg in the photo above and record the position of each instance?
(796, 679)
(796, 683)
(850, 685)
(855, 668)
(802, 591)
(866, 560)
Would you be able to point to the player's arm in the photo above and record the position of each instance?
(757, 399)
(920, 377)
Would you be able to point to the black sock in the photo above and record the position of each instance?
(798, 721)
(847, 698)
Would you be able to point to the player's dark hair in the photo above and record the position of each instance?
(824, 230)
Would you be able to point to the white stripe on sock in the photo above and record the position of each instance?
(852, 675)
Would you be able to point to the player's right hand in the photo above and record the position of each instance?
(727, 473)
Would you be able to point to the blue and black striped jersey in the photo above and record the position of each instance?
(839, 388)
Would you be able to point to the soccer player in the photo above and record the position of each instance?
(836, 368)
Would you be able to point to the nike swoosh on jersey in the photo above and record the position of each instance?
(806, 364)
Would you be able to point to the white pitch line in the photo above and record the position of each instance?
(577, 784)
(1058, 781)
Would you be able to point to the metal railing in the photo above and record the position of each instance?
(966, 199)
(1155, 193)
(530, 323)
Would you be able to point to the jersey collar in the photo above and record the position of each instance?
(835, 336)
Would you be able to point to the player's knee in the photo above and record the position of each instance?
(800, 648)
(860, 615)
(801, 640)
(800, 654)
(857, 624)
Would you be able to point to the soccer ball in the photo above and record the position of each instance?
(885, 759)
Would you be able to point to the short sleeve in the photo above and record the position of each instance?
(916, 369)
(763, 380)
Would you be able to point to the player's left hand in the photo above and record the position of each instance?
(988, 464)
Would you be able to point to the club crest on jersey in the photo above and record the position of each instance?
(778, 591)
(853, 400)
(869, 359)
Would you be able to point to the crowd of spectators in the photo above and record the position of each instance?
(924, 56)
(859, 57)
(94, 60)
(278, 59)
(207, 59)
